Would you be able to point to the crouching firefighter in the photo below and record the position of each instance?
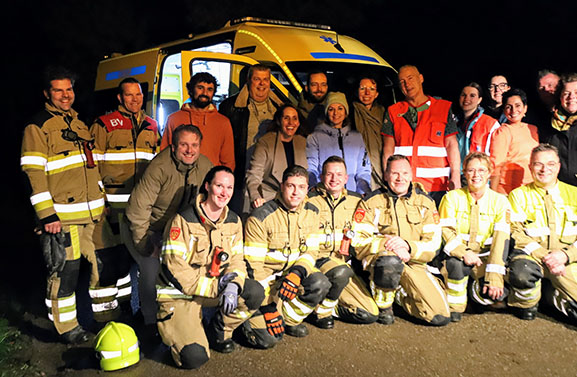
(202, 266)
(348, 298)
(281, 248)
(544, 227)
(397, 233)
(476, 230)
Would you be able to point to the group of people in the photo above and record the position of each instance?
(333, 213)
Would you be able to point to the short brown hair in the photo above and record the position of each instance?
(295, 171)
(396, 157)
(478, 156)
(544, 147)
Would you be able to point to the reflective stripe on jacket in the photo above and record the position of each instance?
(424, 146)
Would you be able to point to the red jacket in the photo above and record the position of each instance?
(217, 140)
(425, 146)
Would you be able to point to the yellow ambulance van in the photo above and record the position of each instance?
(290, 49)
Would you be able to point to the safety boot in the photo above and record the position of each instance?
(456, 316)
(298, 331)
(527, 314)
(75, 336)
(386, 316)
(226, 346)
(325, 323)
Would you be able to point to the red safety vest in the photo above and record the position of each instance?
(425, 147)
(481, 133)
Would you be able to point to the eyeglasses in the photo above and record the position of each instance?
(478, 171)
(549, 165)
(501, 86)
(371, 88)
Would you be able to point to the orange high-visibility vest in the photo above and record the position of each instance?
(425, 146)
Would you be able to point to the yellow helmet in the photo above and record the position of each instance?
(117, 346)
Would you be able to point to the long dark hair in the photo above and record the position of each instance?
(276, 124)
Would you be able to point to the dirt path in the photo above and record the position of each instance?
(492, 344)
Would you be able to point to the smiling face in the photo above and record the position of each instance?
(469, 100)
(220, 190)
(514, 109)
(334, 178)
(318, 87)
(259, 85)
(569, 97)
(289, 123)
(399, 176)
(336, 113)
(131, 97)
(202, 94)
(477, 174)
(294, 191)
(188, 147)
(411, 82)
(545, 168)
(368, 92)
(497, 87)
(61, 94)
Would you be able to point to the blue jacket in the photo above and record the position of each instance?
(324, 142)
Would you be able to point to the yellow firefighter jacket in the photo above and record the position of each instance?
(53, 157)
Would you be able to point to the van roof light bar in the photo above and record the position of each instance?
(268, 21)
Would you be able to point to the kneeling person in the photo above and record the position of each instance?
(281, 248)
(397, 234)
(202, 266)
(337, 205)
(545, 233)
(476, 230)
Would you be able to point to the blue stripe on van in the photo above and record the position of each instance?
(126, 73)
(336, 55)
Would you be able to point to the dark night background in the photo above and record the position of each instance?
(451, 43)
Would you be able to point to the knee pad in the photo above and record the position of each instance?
(359, 316)
(316, 287)
(387, 271)
(339, 277)
(193, 356)
(252, 293)
(524, 273)
(457, 269)
(68, 278)
(439, 320)
(113, 264)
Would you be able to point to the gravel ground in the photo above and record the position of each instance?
(490, 344)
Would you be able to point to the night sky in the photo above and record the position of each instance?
(451, 44)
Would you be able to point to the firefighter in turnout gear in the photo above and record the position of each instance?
(476, 228)
(67, 197)
(397, 233)
(124, 143)
(348, 296)
(544, 227)
(203, 266)
(281, 249)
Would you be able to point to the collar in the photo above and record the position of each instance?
(392, 194)
(204, 219)
(57, 112)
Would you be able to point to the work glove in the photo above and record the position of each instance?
(229, 298)
(54, 251)
(290, 286)
(273, 320)
(225, 279)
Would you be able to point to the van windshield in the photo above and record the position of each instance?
(344, 77)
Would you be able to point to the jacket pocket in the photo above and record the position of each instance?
(437, 135)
